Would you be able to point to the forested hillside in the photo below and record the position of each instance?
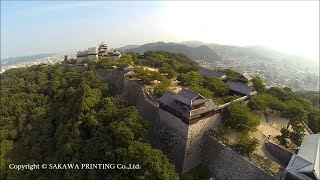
(201, 52)
(55, 115)
(312, 96)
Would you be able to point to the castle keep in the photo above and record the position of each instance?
(97, 53)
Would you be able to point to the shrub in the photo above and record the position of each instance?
(239, 117)
(245, 145)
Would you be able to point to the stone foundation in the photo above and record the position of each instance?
(224, 163)
(186, 146)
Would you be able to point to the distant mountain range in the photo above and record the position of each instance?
(274, 67)
(124, 48)
(193, 43)
(212, 52)
(197, 53)
(15, 60)
(257, 52)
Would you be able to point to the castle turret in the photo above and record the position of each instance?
(103, 47)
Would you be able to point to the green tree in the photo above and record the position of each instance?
(258, 85)
(314, 120)
(203, 91)
(104, 63)
(191, 79)
(155, 164)
(297, 117)
(216, 85)
(166, 68)
(161, 88)
(88, 61)
(285, 135)
(6, 146)
(55, 114)
(238, 116)
(65, 59)
(258, 103)
(295, 112)
(245, 145)
(231, 74)
(124, 60)
(279, 93)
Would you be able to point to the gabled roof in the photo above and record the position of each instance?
(305, 164)
(310, 150)
(240, 88)
(82, 53)
(184, 100)
(190, 95)
(245, 77)
(167, 98)
(102, 45)
(188, 98)
(209, 73)
(296, 163)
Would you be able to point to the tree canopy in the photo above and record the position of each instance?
(217, 86)
(231, 74)
(239, 117)
(258, 85)
(191, 79)
(291, 105)
(54, 114)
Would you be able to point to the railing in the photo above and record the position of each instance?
(227, 104)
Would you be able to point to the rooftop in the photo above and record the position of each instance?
(305, 164)
(241, 88)
(209, 73)
(245, 77)
(187, 99)
(190, 95)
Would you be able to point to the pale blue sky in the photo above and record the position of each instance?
(33, 27)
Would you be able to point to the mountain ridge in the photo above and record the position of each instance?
(201, 52)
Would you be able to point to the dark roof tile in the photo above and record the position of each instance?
(209, 73)
(240, 88)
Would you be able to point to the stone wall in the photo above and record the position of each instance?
(111, 76)
(170, 135)
(129, 92)
(184, 145)
(79, 69)
(195, 141)
(224, 163)
(168, 132)
(280, 153)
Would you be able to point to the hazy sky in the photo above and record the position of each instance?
(39, 27)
